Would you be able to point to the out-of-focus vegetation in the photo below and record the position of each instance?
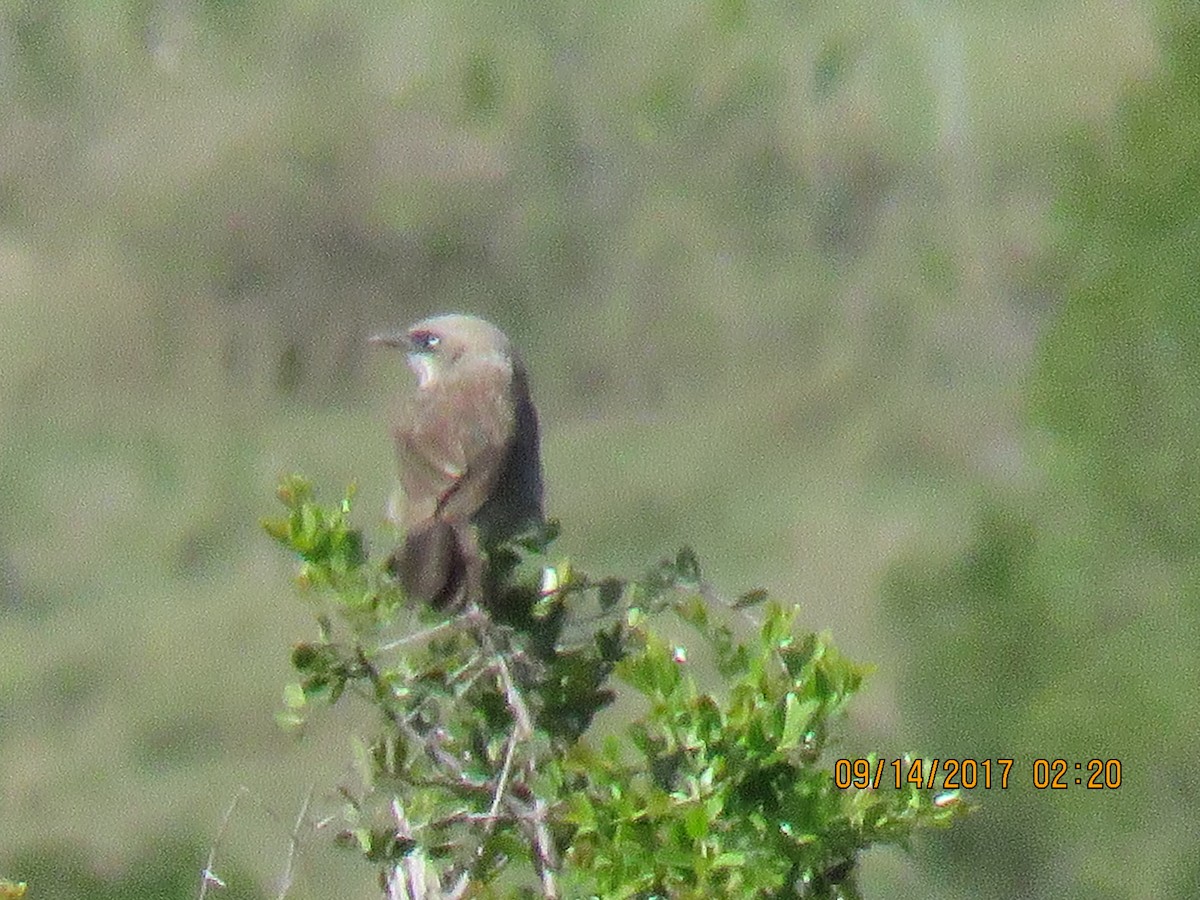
(889, 308)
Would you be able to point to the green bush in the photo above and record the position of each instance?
(484, 776)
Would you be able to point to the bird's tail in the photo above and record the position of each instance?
(439, 563)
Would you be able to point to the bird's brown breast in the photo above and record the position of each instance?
(452, 442)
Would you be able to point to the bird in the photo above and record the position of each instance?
(469, 455)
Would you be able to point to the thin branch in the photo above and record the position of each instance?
(454, 623)
(544, 858)
(208, 876)
(285, 880)
(502, 781)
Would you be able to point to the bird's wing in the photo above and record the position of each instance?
(453, 447)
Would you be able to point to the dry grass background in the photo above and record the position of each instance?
(781, 273)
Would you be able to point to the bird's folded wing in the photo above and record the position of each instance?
(454, 447)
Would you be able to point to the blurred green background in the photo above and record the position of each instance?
(889, 308)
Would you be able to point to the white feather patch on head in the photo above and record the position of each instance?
(424, 368)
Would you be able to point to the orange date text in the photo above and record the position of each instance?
(945, 774)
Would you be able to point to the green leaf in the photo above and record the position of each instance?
(695, 821)
(277, 528)
(797, 716)
(294, 697)
(289, 720)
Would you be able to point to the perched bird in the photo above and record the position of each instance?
(467, 444)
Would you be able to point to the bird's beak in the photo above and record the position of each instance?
(398, 339)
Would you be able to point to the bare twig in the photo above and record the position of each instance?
(544, 857)
(511, 799)
(208, 876)
(285, 880)
(454, 623)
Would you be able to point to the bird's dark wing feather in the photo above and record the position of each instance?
(432, 562)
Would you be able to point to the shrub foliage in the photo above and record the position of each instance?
(485, 778)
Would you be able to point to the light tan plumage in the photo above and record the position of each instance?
(467, 445)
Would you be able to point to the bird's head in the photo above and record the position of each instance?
(442, 346)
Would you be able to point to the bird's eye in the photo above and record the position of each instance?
(425, 340)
